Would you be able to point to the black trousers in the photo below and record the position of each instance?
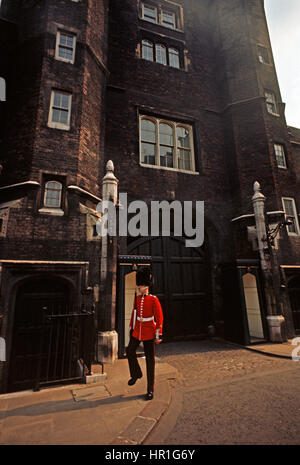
(134, 367)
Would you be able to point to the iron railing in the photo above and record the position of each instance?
(67, 348)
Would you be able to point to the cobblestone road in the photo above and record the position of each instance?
(228, 395)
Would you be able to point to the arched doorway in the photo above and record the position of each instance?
(33, 299)
(181, 282)
(294, 294)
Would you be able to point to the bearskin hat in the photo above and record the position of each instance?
(144, 276)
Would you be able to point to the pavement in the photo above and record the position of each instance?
(108, 412)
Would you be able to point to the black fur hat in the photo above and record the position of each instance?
(144, 276)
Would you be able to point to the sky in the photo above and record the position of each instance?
(283, 20)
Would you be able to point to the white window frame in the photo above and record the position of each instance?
(147, 45)
(73, 48)
(46, 189)
(157, 122)
(295, 216)
(282, 149)
(261, 58)
(159, 10)
(55, 124)
(152, 8)
(171, 51)
(271, 101)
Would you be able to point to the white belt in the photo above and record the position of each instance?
(145, 319)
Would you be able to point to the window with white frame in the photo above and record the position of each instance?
(166, 144)
(60, 110)
(147, 50)
(271, 102)
(160, 54)
(65, 46)
(290, 210)
(280, 155)
(52, 194)
(167, 16)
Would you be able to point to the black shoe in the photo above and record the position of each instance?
(149, 396)
(132, 381)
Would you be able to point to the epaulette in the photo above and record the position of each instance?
(153, 296)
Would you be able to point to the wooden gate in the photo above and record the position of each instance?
(182, 283)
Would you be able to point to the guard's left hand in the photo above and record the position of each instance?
(158, 341)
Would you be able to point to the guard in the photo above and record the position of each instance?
(145, 325)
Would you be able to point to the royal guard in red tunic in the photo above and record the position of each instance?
(145, 325)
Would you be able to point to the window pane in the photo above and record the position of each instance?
(280, 155)
(166, 156)
(183, 137)
(174, 58)
(52, 194)
(148, 131)
(168, 19)
(150, 14)
(148, 153)
(290, 213)
(65, 53)
(161, 54)
(184, 161)
(57, 100)
(147, 50)
(165, 134)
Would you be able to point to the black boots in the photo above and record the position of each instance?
(149, 395)
(132, 381)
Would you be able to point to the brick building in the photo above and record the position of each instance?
(183, 97)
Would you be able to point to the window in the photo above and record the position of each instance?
(60, 110)
(149, 13)
(52, 194)
(174, 58)
(280, 155)
(291, 214)
(65, 47)
(167, 17)
(166, 144)
(263, 55)
(271, 102)
(147, 50)
(160, 54)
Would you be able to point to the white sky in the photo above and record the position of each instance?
(283, 20)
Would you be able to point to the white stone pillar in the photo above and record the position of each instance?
(275, 321)
(108, 339)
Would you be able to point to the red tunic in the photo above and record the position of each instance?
(147, 306)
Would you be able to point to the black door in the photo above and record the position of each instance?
(294, 293)
(181, 283)
(33, 299)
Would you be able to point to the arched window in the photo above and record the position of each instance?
(52, 196)
(161, 54)
(166, 145)
(184, 148)
(148, 141)
(174, 58)
(147, 50)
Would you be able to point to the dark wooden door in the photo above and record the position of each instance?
(181, 282)
(33, 299)
(294, 293)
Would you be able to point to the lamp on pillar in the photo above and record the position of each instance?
(269, 266)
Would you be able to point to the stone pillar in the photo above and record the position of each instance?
(275, 319)
(107, 343)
